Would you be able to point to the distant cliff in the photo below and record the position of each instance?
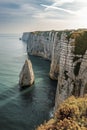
(46, 44)
(67, 51)
(25, 36)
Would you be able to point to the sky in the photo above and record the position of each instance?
(17, 16)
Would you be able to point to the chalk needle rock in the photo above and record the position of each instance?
(26, 77)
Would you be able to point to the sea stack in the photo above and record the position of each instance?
(26, 77)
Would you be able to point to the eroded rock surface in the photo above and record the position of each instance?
(26, 77)
(72, 78)
(67, 51)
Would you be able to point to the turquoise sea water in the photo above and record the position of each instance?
(26, 109)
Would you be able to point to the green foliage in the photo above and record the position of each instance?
(36, 32)
(80, 37)
(81, 43)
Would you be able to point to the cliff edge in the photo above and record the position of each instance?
(72, 78)
(67, 51)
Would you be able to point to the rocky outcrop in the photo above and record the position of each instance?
(41, 44)
(26, 77)
(25, 36)
(60, 40)
(67, 51)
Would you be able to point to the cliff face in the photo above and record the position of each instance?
(46, 44)
(67, 51)
(25, 36)
(41, 44)
(72, 79)
(58, 48)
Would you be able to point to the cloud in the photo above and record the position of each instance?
(28, 13)
(60, 2)
(57, 8)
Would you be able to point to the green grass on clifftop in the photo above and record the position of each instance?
(81, 43)
(80, 37)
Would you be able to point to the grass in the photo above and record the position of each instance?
(81, 43)
(80, 37)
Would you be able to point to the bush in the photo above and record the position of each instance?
(71, 115)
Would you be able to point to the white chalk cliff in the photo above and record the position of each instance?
(26, 77)
(67, 51)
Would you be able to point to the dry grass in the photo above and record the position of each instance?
(71, 115)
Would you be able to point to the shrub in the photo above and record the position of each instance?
(71, 115)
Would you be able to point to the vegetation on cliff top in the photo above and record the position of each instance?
(81, 43)
(71, 115)
(80, 37)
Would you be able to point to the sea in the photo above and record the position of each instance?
(23, 109)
